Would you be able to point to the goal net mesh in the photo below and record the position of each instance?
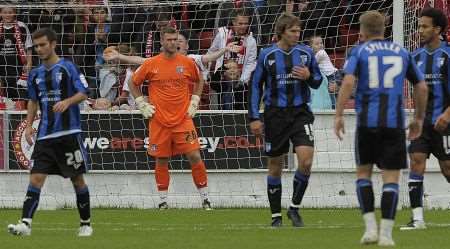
(117, 137)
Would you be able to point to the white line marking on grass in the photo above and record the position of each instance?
(199, 227)
(437, 225)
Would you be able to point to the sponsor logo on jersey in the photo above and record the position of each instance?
(180, 69)
(155, 71)
(270, 62)
(304, 58)
(59, 77)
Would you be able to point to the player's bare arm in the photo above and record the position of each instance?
(134, 90)
(442, 121)
(111, 54)
(344, 94)
(213, 56)
(198, 88)
(256, 127)
(420, 96)
(32, 109)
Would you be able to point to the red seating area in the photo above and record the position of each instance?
(347, 35)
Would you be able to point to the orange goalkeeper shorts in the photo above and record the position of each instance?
(171, 141)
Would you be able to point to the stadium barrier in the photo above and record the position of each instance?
(122, 174)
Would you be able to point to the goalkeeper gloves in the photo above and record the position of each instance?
(146, 109)
(193, 106)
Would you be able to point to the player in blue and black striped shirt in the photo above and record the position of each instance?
(381, 68)
(433, 60)
(284, 73)
(56, 88)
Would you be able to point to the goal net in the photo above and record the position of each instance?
(117, 137)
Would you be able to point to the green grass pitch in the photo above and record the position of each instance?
(217, 229)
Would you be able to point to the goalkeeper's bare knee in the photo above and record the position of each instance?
(194, 157)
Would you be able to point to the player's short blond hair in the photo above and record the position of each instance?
(372, 23)
(168, 30)
(8, 6)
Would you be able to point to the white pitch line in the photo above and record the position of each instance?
(202, 227)
(121, 226)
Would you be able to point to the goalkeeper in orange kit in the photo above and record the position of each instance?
(171, 108)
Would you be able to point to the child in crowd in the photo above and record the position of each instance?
(114, 78)
(327, 68)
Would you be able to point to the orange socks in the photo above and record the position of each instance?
(199, 175)
(162, 177)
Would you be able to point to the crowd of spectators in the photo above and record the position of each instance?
(86, 28)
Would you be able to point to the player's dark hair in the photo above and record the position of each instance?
(238, 12)
(438, 17)
(97, 9)
(49, 33)
(185, 34)
(285, 21)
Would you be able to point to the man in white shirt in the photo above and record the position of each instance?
(233, 70)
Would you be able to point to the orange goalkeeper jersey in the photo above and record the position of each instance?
(169, 82)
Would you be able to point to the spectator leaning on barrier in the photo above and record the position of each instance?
(202, 62)
(232, 71)
(15, 54)
(125, 100)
